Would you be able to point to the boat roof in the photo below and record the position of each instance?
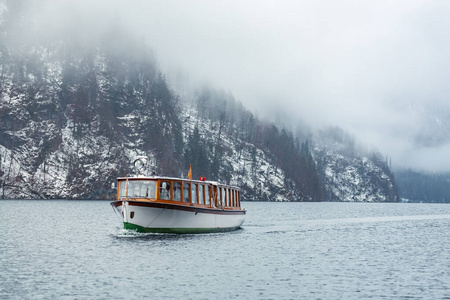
(142, 177)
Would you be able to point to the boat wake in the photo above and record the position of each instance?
(132, 234)
(127, 233)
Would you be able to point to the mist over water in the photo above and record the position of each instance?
(77, 249)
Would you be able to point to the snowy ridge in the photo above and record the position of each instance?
(355, 179)
(259, 179)
(50, 149)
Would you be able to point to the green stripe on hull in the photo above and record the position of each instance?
(138, 228)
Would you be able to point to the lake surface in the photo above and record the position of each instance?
(77, 250)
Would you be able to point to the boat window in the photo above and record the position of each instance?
(164, 190)
(134, 189)
(194, 192)
(225, 197)
(177, 191)
(207, 195)
(150, 189)
(200, 194)
(229, 197)
(220, 197)
(186, 192)
(123, 189)
(138, 189)
(214, 191)
(217, 196)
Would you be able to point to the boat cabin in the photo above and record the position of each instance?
(201, 193)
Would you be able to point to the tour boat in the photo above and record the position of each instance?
(173, 205)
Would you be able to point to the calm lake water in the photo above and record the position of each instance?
(76, 250)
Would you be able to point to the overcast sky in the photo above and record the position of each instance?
(378, 69)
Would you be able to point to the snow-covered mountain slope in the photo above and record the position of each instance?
(70, 138)
(69, 127)
(350, 173)
(344, 176)
(356, 179)
(68, 130)
(72, 120)
(250, 168)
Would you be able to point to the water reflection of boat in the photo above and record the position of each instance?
(175, 205)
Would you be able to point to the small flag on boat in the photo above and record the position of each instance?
(190, 172)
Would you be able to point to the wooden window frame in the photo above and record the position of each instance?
(182, 194)
(159, 189)
(202, 193)
(207, 194)
(172, 191)
(196, 193)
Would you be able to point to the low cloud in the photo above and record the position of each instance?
(378, 69)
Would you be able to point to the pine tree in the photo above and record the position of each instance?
(196, 155)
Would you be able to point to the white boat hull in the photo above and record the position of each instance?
(172, 218)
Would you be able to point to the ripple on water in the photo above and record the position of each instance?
(76, 250)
